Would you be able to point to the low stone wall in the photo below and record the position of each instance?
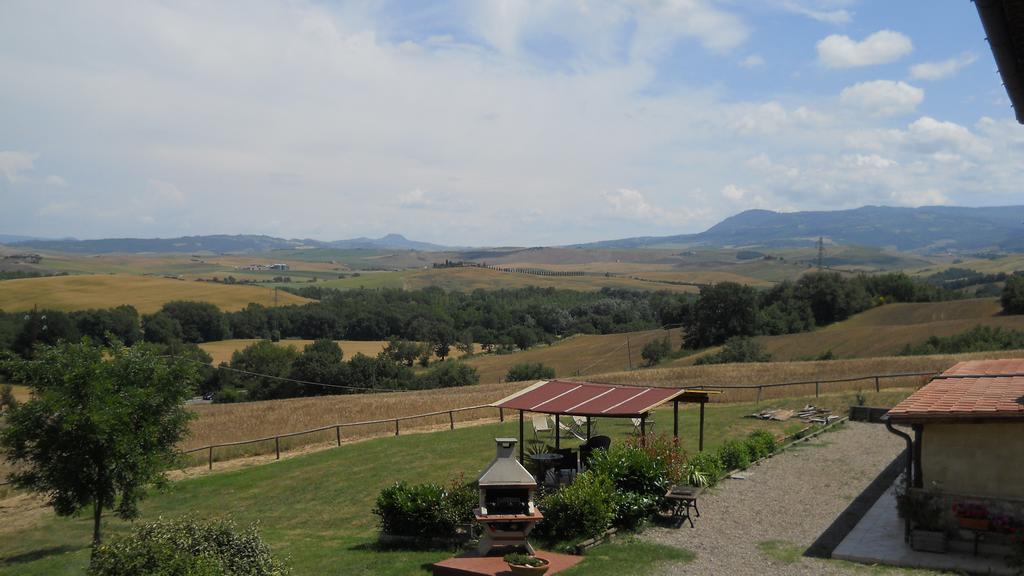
(994, 523)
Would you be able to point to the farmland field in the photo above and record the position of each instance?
(146, 293)
(468, 279)
(585, 353)
(885, 330)
(221, 350)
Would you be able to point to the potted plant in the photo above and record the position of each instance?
(526, 564)
(971, 516)
(925, 517)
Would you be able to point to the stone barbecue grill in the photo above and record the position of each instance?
(506, 513)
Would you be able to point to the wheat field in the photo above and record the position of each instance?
(146, 293)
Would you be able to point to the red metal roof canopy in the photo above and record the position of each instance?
(590, 399)
(971, 390)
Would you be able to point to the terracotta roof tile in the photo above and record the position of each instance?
(991, 389)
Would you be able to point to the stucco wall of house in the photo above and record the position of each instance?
(974, 459)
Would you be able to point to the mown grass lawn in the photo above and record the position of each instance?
(316, 508)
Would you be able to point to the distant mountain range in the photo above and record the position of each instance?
(216, 243)
(929, 228)
(925, 229)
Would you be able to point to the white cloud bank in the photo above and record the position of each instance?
(882, 97)
(882, 47)
(942, 69)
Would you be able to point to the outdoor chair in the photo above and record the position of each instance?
(587, 449)
(540, 424)
(572, 431)
(581, 424)
(636, 425)
(569, 464)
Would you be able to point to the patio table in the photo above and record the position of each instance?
(545, 461)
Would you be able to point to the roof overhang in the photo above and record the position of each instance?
(1004, 26)
(597, 400)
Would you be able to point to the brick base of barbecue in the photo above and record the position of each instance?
(494, 565)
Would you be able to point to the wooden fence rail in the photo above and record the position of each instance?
(209, 449)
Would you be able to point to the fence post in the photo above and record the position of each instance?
(396, 426)
(501, 414)
(878, 388)
(211, 458)
(337, 432)
(451, 420)
(817, 386)
(277, 446)
(758, 395)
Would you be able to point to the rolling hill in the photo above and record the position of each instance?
(928, 228)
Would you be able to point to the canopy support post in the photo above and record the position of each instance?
(558, 432)
(700, 447)
(588, 427)
(643, 429)
(675, 419)
(520, 435)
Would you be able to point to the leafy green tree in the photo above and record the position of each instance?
(1013, 295)
(200, 321)
(723, 310)
(529, 371)
(320, 361)
(737, 350)
(830, 297)
(403, 351)
(273, 361)
(121, 323)
(46, 327)
(448, 373)
(161, 328)
(102, 423)
(656, 350)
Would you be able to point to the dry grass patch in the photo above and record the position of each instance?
(468, 279)
(222, 350)
(146, 294)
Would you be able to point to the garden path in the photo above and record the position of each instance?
(763, 524)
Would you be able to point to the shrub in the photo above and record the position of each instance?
(647, 470)
(187, 547)
(761, 443)
(632, 509)
(582, 509)
(734, 455)
(704, 469)
(656, 350)
(529, 371)
(737, 350)
(425, 510)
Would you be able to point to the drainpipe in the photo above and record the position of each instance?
(910, 470)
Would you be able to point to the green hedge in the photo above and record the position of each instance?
(187, 547)
(425, 510)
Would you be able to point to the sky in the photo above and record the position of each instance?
(503, 122)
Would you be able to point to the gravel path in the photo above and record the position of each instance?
(790, 499)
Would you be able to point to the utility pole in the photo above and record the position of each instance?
(821, 252)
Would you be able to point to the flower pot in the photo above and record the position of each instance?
(979, 524)
(928, 541)
(524, 570)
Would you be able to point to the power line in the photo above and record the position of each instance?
(280, 378)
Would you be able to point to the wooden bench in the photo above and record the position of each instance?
(681, 499)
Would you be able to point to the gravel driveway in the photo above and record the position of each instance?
(762, 525)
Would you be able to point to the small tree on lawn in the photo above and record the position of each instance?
(102, 424)
(656, 350)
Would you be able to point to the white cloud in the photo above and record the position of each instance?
(752, 61)
(882, 97)
(931, 135)
(417, 198)
(54, 180)
(733, 192)
(630, 204)
(161, 191)
(882, 47)
(14, 164)
(826, 14)
(942, 69)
